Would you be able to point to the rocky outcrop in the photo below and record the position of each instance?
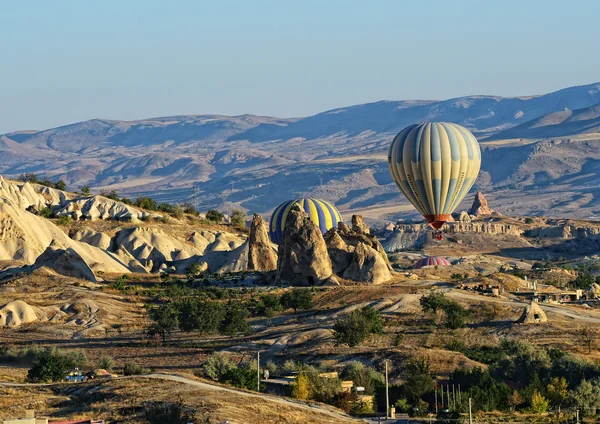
(261, 256)
(358, 225)
(357, 234)
(65, 262)
(25, 236)
(34, 197)
(17, 313)
(464, 217)
(367, 266)
(480, 206)
(93, 238)
(302, 254)
(339, 251)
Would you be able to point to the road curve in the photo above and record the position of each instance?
(310, 407)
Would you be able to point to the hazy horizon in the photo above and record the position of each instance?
(72, 61)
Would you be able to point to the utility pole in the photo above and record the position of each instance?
(577, 414)
(436, 405)
(442, 388)
(387, 393)
(470, 416)
(454, 397)
(258, 371)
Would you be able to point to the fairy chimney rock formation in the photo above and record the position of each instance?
(261, 256)
(302, 254)
(480, 206)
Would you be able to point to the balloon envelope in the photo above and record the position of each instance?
(435, 164)
(322, 213)
(432, 261)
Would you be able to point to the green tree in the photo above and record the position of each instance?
(557, 391)
(297, 298)
(85, 190)
(418, 379)
(112, 194)
(355, 327)
(29, 177)
(51, 365)
(268, 305)
(455, 315)
(165, 207)
(238, 219)
(234, 321)
(106, 363)
(169, 412)
(60, 185)
(217, 365)
(433, 302)
(588, 335)
(194, 270)
(362, 376)
(45, 211)
(587, 397)
(204, 316)
(146, 203)
(583, 280)
(165, 320)
(214, 216)
(539, 404)
(301, 387)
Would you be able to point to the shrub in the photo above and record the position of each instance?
(112, 194)
(189, 208)
(120, 283)
(127, 201)
(214, 216)
(243, 377)
(85, 190)
(46, 212)
(238, 219)
(165, 207)
(271, 367)
(169, 412)
(60, 185)
(290, 366)
(583, 280)
(528, 220)
(193, 271)
(64, 220)
(133, 368)
(29, 177)
(106, 363)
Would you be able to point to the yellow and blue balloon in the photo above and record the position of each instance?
(322, 213)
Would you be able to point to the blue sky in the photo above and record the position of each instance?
(66, 61)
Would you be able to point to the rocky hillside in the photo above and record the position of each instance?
(257, 162)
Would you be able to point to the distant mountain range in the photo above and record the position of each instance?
(541, 155)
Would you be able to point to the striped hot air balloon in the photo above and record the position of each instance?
(435, 165)
(322, 213)
(431, 261)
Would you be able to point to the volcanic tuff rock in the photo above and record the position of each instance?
(480, 206)
(339, 251)
(358, 235)
(65, 262)
(367, 266)
(17, 312)
(261, 256)
(302, 254)
(358, 225)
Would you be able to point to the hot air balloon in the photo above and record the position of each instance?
(432, 261)
(322, 213)
(435, 165)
